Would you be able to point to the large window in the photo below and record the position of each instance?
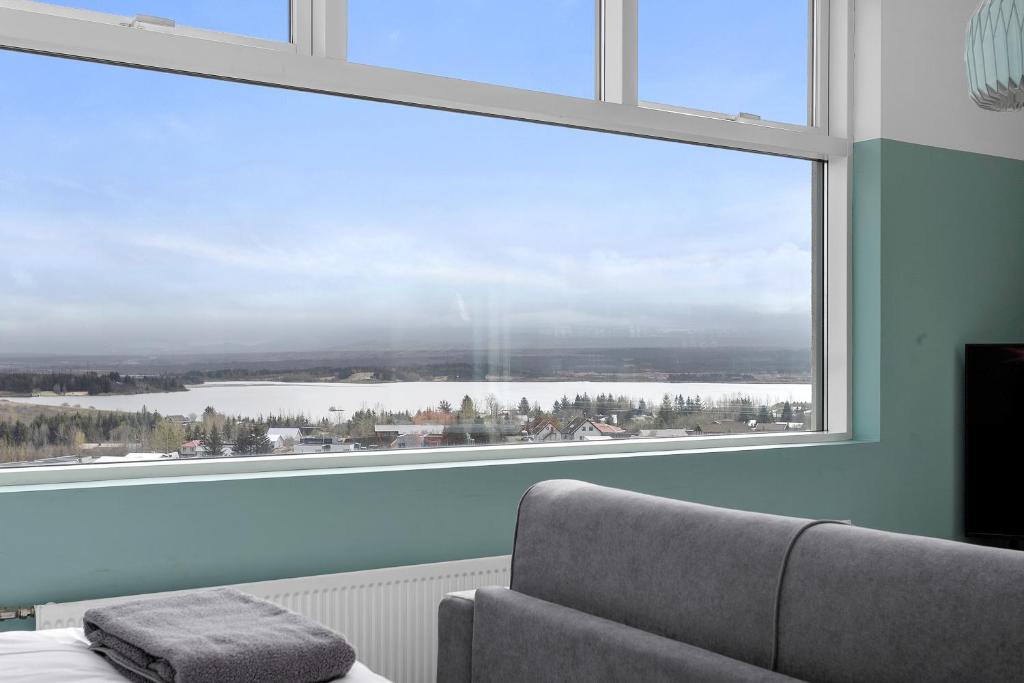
(742, 56)
(532, 44)
(268, 19)
(215, 269)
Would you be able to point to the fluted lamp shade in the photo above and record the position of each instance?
(995, 55)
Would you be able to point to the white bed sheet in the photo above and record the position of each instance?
(62, 655)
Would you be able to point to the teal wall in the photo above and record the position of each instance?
(938, 240)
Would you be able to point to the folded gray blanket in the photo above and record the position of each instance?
(219, 635)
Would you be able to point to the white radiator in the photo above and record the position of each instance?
(389, 615)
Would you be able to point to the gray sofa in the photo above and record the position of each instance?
(609, 585)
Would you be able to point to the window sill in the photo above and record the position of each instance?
(314, 464)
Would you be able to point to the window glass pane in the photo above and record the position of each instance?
(532, 44)
(461, 279)
(730, 57)
(269, 19)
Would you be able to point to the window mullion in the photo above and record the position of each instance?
(819, 376)
(818, 69)
(617, 60)
(302, 26)
(330, 28)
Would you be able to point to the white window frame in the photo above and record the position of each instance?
(315, 61)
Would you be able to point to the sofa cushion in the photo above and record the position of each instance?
(697, 574)
(519, 638)
(863, 605)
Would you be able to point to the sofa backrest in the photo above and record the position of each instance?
(864, 605)
(700, 575)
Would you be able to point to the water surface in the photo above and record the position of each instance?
(314, 400)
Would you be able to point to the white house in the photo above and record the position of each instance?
(279, 435)
(593, 430)
(546, 431)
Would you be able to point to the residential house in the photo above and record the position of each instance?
(544, 430)
(193, 449)
(387, 435)
(283, 437)
(591, 429)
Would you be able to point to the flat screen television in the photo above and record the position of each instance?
(994, 440)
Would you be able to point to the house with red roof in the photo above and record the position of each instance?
(589, 429)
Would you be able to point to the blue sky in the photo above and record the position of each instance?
(156, 213)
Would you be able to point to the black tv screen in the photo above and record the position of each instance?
(994, 442)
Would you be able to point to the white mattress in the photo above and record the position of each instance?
(62, 654)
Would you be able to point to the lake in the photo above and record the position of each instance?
(252, 399)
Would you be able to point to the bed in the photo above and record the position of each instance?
(62, 654)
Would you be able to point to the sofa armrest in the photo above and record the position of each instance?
(455, 637)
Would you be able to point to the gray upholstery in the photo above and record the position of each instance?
(697, 574)
(519, 638)
(455, 638)
(609, 585)
(863, 605)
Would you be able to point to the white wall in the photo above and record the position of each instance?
(910, 83)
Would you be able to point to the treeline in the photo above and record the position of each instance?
(377, 373)
(671, 412)
(64, 433)
(362, 423)
(92, 383)
(68, 431)
(244, 374)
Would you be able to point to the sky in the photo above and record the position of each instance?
(149, 213)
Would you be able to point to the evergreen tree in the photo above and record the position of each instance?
(787, 412)
(252, 440)
(467, 411)
(260, 441)
(524, 406)
(746, 410)
(214, 442)
(244, 441)
(665, 412)
(763, 415)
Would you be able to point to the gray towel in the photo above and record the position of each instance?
(216, 636)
